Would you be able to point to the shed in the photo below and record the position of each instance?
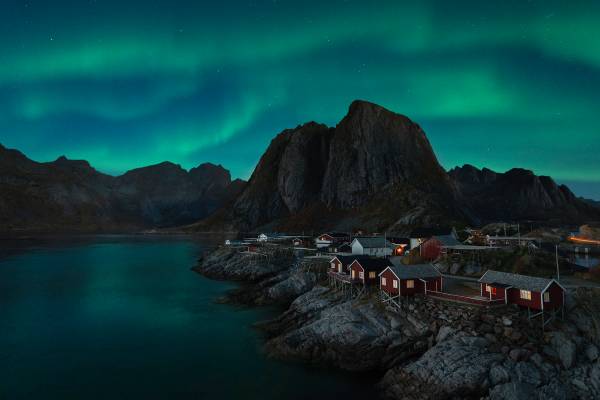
(435, 246)
(526, 291)
(408, 280)
(367, 269)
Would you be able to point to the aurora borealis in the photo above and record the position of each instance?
(124, 84)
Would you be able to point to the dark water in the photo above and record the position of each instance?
(124, 317)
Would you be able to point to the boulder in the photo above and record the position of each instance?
(565, 349)
(513, 391)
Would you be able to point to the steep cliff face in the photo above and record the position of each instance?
(70, 195)
(519, 194)
(373, 170)
(373, 149)
(287, 178)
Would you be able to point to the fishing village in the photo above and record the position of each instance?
(438, 312)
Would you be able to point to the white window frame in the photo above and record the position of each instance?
(395, 282)
(546, 297)
(410, 284)
(333, 265)
(525, 294)
(361, 275)
(383, 281)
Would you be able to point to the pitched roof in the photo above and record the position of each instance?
(347, 260)
(414, 271)
(373, 242)
(374, 264)
(447, 240)
(525, 282)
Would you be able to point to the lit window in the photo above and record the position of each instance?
(395, 284)
(372, 274)
(547, 297)
(383, 281)
(410, 284)
(332, 265)
(525, 294)
(361, 275)
(488, 288)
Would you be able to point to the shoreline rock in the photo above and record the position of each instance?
(429, 349)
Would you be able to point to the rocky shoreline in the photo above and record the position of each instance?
(430, 349)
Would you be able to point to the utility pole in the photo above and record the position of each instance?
(557, 269)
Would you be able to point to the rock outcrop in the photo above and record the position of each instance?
(429, 349)
(70, 195)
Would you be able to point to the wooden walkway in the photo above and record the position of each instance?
(475, 300)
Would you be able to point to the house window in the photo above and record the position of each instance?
(410, 284)
(488, 288)
(383, 281)
(493, 291)
(395, 284)
(361, 275)
(353, 274)
(547, 297)
(525, 294)
(332, 265)
(372, 274)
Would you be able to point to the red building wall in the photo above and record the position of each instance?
(431, 249)
(515, 298)
(334, 265)
(419, 285)
(389, 286)
(556, 297)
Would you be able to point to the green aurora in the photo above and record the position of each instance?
(124, 84)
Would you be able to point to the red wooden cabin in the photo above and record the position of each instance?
(367, 269)
(525, 291)
(408, 280)
(341, 264)
(435, 246)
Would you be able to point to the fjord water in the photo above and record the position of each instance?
(124, 317)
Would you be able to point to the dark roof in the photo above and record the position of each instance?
(414, 271)
(347, 260)
(373, 242)
(429, 232)
(447, 240)
(374, 264)
(517, 281)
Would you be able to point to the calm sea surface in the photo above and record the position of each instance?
(124, 317)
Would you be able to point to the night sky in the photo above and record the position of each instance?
(130, 83)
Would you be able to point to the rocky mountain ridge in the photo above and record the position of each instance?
(376, 170)
(70, 195)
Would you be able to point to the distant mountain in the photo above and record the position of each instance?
(70, 195)
(376, 170)
(518, 194)
(594, 203)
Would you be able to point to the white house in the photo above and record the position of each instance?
(372, 246)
